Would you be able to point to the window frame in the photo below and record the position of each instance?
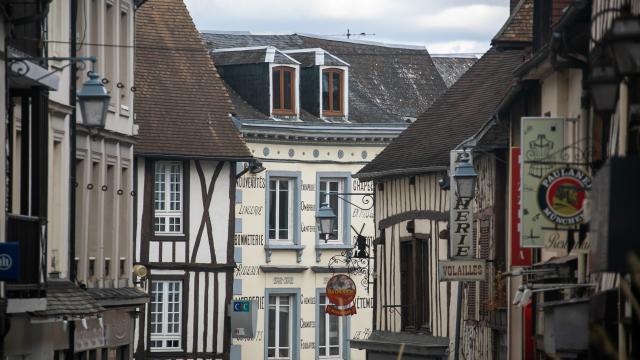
(344, 240)
(341, 73)
(345, 330)
(294, 301)
(149, 196)
(294, 224)
(164, 336)
(415, 314)
(294, 90)
(290, 210)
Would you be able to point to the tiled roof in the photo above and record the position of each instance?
(181, 104)
(451, 68)
(519, 26)
(126, 293)
(66, 299)
(387, 83)
(453, 118)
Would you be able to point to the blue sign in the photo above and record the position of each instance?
(9, 261)
(241, 306)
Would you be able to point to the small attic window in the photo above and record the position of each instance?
(332, 92)
(283, 90)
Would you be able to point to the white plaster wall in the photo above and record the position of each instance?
(276, 157)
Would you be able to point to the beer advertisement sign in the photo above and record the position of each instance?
(341, 291)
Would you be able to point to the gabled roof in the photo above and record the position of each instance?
(181, 104)
(519, 26)
(387, 83)
(451, 68)
(455, 117)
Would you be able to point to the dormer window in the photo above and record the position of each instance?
(283, 90)
(332, 92)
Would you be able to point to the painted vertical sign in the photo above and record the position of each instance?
(461, 214)
(542, 148)
(519, 256)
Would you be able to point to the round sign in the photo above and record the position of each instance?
(561, 195)
(341, 290)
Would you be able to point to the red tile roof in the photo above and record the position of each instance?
(181, 104)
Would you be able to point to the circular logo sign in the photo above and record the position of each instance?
(5, 262)
(561, 195)
(341, 290)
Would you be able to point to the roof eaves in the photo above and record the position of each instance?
(367, 176)
(160, 155)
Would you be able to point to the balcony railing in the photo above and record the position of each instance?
(31, 234)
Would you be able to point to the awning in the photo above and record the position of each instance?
(126, 296)
(416, 344)
(25, 72)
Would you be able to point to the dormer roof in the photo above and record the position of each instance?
(251, 55)
(315, 57)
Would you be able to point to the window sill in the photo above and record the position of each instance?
(169, 237)
(269, 248)
(330, 246)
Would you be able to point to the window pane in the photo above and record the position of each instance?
(284, 323)
(276, 89)
(288, 89)
(272, 209)
(322, 328)
(336, 91)
(325, 90)
(283, 224)
(271, 341)
(334, 330)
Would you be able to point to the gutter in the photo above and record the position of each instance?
(396, 172)
(192, 157)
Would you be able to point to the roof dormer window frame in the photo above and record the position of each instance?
(294, 96)
(343, 89)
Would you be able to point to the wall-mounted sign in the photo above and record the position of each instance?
(561, 195)
(462, 270)
(542, 152)
(9, 261)
(559, 240)
(341, 291)
(519, 255)
(241, 305)
(461, 214)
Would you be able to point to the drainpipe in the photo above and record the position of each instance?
(73, 14)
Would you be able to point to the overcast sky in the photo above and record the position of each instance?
(444, 26)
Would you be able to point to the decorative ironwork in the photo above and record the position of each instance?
(367, 199)
(355, 259)
(545, 158)
(23, 66)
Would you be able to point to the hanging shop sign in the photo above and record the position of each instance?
(462, 270)
(341, 291)
(519, 256)
(542, 153)
(561, 195)
(461, 214)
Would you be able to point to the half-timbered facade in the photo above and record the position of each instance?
(185, 174)
(413, 304)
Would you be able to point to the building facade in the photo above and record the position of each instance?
(185, 173)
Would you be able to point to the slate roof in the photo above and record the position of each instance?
(64, 298)
(126, 293)
(387, 83)
(453, 118)
(451, 68)
(252, 55)
(519, 26)
(181, 104)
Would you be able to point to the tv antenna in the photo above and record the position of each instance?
(349, 34)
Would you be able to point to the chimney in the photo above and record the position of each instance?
(512, 5)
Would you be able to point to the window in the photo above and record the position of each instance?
(329, 332)
(281, 209)
(414, 284)
(168, 198)
(283, 90)
(165, 315)
(332, 92)
(280, 321)
(330, 186)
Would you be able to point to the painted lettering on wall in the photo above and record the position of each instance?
(250, 182)
(364, 302)
(363, 214)
(308, 187)
(258, 337)
(304, 345)
(248, 239)
(307, 324)
(307, 207)
(362, 334)
(259, 299)
(250, 210)
(308, 228)
(307, 300)
(247, 270)
(283, 280)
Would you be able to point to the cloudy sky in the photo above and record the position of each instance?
(444, 26)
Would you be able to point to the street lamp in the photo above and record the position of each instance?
(465, 177)
(326, 219)
(604, 85)
(93, 99)
(625, 44)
